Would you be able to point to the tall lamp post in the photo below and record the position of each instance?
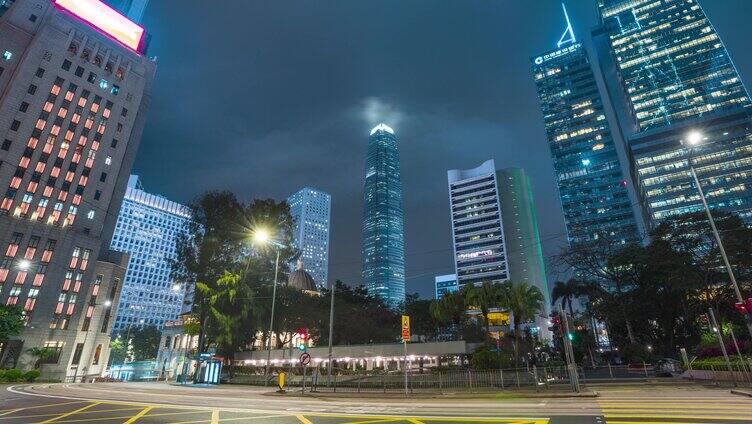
(693, 139)
(331, 334)
(262, 236)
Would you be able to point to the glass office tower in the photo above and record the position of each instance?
(592, 184)
(672, 75)
(311, 210)
(383, 220)
(147, 228)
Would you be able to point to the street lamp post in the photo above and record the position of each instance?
(331, 334)
(263, 237)
(271, 321)
(693, 139)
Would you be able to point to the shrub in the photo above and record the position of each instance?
(31, 375)
(13, 375)
(486, 359)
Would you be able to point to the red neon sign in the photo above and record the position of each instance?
(107, 20)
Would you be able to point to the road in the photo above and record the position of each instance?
(161, 403)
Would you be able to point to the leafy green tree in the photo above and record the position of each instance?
(422, 322)
(211, 245)
(145, 342)
(449, 309)
(42, 354)
(11, 321)
(117, 351)
(484, 297)
(524, 301)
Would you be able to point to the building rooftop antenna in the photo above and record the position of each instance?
(568, 35)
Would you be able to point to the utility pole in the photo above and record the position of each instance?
(271, 321)
(331, 335)
(569, 353)
(693, 139)
(717, 331)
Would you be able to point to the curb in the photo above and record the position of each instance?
(741, 393)
(468, 396)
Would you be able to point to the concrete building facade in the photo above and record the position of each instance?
(73, 101)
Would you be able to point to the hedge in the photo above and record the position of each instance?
(15, 375)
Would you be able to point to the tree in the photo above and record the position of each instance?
(117, 351)
(42, 354)
(145, 342)
(524, 301)
(422, 322)
(11, 322)
(217, 255)
(449, 309)
(484, 297)
(211, 245)
(566, 292)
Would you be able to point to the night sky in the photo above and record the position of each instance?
(265, 97)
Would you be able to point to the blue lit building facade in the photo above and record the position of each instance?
(670, 74)
(311, 212)
(445, 284)
(147, 227)
(383, 219)
(592, 182)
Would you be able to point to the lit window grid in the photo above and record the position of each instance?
(383, 220)
(592, 186)
(149, 234)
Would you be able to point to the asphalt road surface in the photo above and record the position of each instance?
(162, 403)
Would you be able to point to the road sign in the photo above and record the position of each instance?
(405, 328)
(305, 359)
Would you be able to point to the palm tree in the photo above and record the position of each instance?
(483, 297)
(524, 301)
(567, 292)
(449, 309)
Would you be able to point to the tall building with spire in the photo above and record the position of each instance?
(591, 175)
(383, 219)
(669, 75)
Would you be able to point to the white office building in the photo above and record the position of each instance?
(311, 212)
(147, 227)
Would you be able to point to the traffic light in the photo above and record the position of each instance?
(303, 339)
(555, 322)
(570, 336)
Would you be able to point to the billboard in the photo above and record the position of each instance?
(106, 20)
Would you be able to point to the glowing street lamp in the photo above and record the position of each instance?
(693, 139)
(262, 236)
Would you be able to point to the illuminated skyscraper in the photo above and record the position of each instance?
(669, 73)
(73, 100)
(383, 220)
(311, 211)
(147, 228)
(477, 231)
(593, 187)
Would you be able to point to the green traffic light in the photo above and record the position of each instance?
(570, 336)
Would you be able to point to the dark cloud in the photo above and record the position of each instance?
(263, 97)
